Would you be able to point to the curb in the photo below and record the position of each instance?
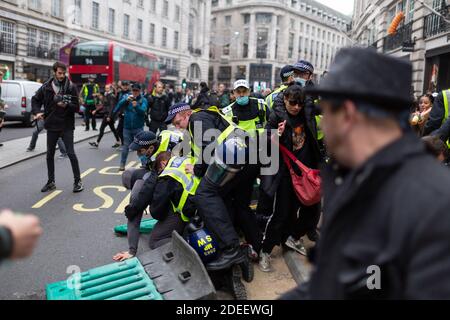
(40, 153)
(297, 267)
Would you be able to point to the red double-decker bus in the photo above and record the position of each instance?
(109, 62)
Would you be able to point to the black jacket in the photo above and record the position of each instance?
(279, 114)
(158, 107)
(203, 99)
(207, 120)
(109, 104)
(144, 198)
(169, 190)
(56, 118)
(436, 115)
(392, 212)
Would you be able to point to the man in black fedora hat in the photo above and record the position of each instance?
(385, 231)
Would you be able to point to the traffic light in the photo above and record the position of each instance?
(184, 84)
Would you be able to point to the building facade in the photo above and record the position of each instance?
(253, 39)
(423, 37)
(33, 31)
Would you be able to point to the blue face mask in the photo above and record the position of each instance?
(242, 101)
(300, 81)
(144, 159)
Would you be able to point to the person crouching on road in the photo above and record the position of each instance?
(295, 134)
(59, 97)
(145, 144)
(135, 107)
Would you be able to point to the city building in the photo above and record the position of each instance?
(253, 39)
(33, 31)
(423, 37)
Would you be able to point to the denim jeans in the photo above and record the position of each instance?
(34, 137)
(128, 137)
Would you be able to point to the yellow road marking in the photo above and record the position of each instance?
(114, 171)
(88, 171)
(112, 157)
(48, 198)
(123, 204)
(108, 201)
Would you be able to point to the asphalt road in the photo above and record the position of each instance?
(16, 130)
(78, 228)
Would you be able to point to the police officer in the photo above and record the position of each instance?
(287, 76)
(173, 204)
(251, 115)
(89, 93)
(439, 113)
(210, 198)
(385, 235)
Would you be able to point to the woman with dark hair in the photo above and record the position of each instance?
(291, 219)
(422, 113)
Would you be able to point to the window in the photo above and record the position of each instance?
(246, 19)
(177, 13)
(34, 4)
(126, 25)
(32, 40)
(164, 37)
(226, 50)
(291, 46)
(213, 23)
(292, 24)
(176, 37)
(166, 9)
(7, 35)
(300, 47)
(215, 3)
(307, 29)
(262, 43)
(77, 12)
(139, 30)
(141, 3)
(152, 33)
(229, 2)
(245, 44)
(263, 18)
(154, 6)
(44, 38)
(95, 15)
(111, 20)
(228, 21)
(301, 27)
(56, 8)
(191, 31)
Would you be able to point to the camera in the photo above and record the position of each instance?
(66, 99)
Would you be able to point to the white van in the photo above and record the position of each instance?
(17, 95)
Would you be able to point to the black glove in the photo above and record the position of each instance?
(131, 212)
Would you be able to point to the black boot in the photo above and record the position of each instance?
(226, 259)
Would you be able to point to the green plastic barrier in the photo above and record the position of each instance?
(146, 227)
(118, 281)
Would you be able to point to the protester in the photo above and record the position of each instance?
(224, 96)
(158, 107)
(437, 148)
(422, 114)
(284, 227)
(109, 103)
(202, 100)
(59, 97)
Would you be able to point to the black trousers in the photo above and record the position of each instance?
(284, 221)
(155, 125)
(103, 126)
(120, 129)
(162, 233)
(88, 115)
(52, 139)
(221, 216)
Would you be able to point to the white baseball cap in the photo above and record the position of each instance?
(241, 83)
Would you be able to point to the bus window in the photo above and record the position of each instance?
(92, 49)
(117, 53)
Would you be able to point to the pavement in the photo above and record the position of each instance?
(14, 151)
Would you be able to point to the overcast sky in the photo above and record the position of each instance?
(344, 6)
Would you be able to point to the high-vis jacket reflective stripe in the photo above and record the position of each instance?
(319, 131)
(221, 138)
(252, 126)
(271, 97)
(86, 92)
(446, 95)
(167, 137)
(176, 169)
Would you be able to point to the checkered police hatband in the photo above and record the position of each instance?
(179, 109)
